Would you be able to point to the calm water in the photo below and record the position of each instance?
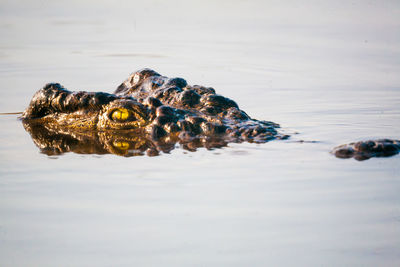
(329, 71)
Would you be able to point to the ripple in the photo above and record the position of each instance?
(133, 55)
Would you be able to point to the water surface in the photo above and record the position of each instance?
(327, 71)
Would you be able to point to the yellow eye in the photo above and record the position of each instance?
(121, 145)
(120, 114)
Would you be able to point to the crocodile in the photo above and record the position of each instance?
(149, 113)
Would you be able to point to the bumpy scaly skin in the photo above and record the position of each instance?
(367, 149)
(194, 110)
(161, 110)
(55, 106)
(150, 113)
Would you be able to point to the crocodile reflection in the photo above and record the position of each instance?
(57, 141)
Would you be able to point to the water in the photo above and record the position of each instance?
(328, 71)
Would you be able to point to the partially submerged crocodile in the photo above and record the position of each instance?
(150, 113)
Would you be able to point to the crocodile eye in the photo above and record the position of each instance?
(121, 115)
(121, 145)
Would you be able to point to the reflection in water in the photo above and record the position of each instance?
(57, 141)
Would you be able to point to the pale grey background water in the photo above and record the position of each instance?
(328, 70)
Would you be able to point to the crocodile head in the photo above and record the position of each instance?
(161, 110)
